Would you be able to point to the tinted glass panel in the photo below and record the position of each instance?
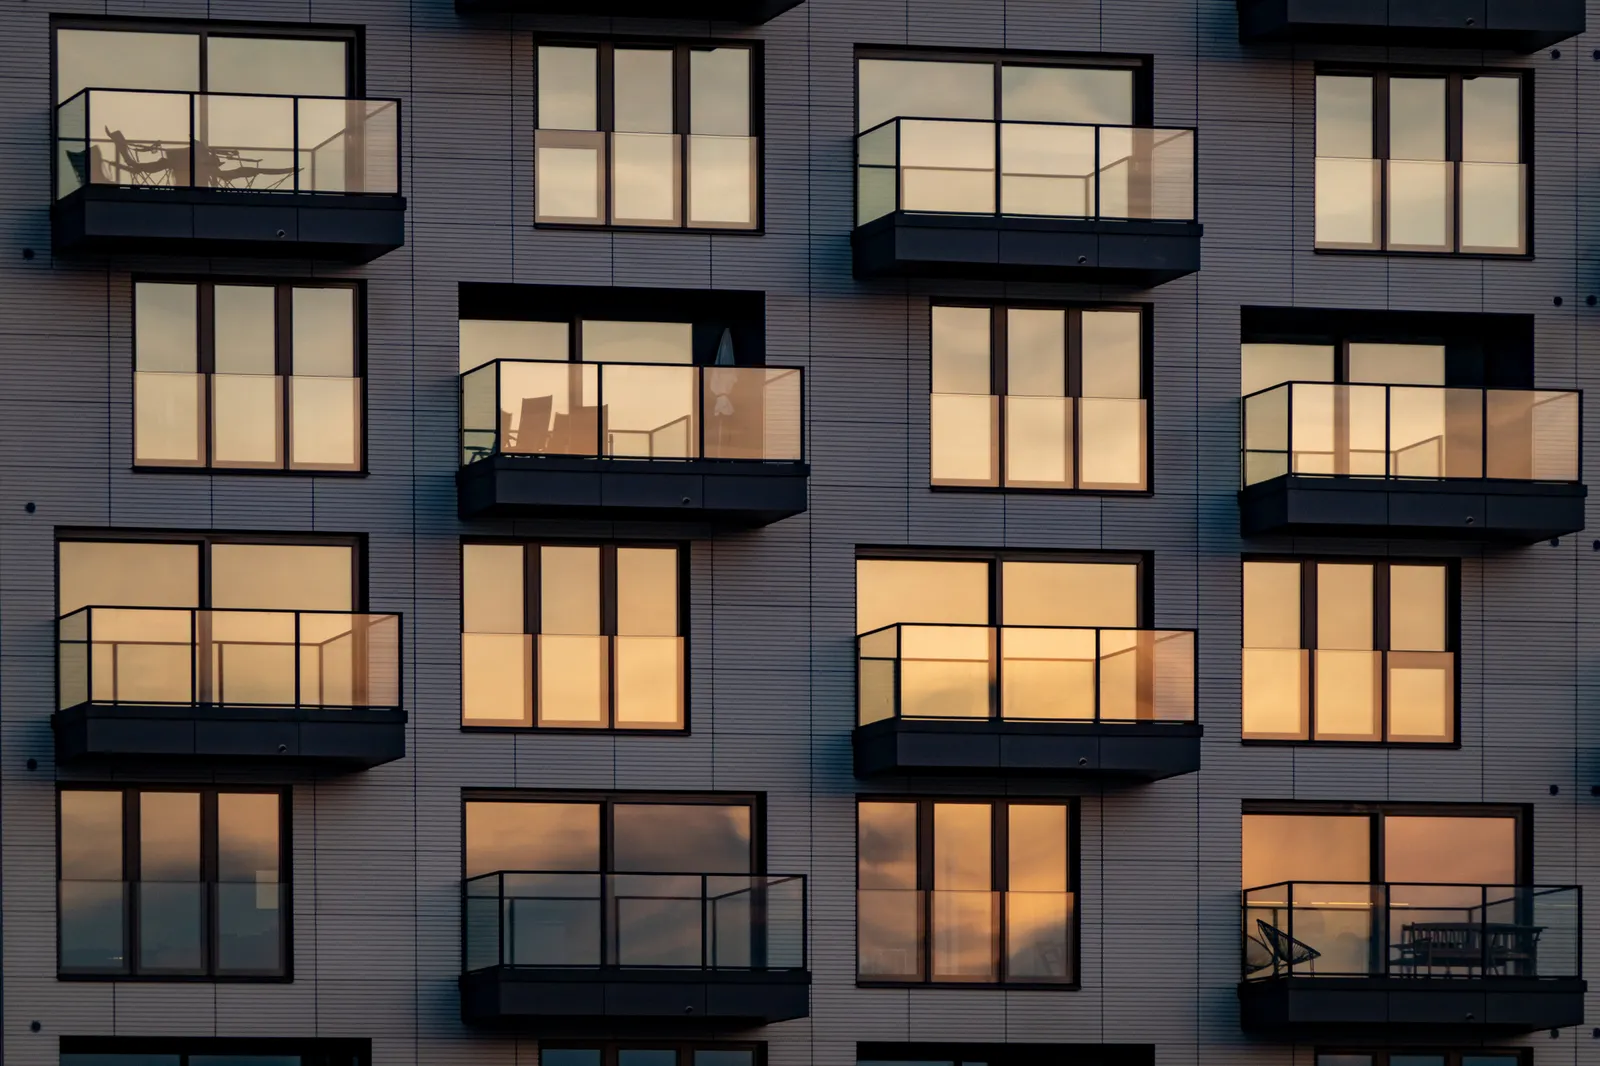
(569, 1057)
(492, 588)
(246, 329)
(961, 341)
(642, 90)
(724, 1058)
(117, 59)
(961, 846)
(128, 575)
(719, 91)
(277, 67)
(1036, 353)
(681, 837)
(568, 88)
(485, 339)
(1305, 847)
(1271, 605)
(324, 332)
(896, 88)
(1491, 120)
(646, 1057)
(73, 1059)
(532, 836)
(638, 342)
(1037, 848)
(247, 836)
(569, 590)
(1070, 594)
(1450, 850)
(1417, 607)
(1265, 365)
(1397, 364)
(1344, 606)
(1344, 116)
(91, 835)
(1066, 94)
(918, 590)
(283, 577)
(1416, 118)
(887, 845)
(165, 324)
(647, 592)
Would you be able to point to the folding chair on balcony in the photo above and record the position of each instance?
(129, 168)
(1284, 949)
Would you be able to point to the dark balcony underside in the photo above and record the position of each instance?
(1135, 751)
(749, 11)
(725, 492)
(350, 739)
(1512, 25)
(109, 219)
(527, 997)
(1420, 1007)
(1516, 512)
(912, 244)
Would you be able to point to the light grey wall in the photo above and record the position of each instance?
(377, 855)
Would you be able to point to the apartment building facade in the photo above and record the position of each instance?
(837, 532)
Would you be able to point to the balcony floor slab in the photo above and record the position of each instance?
(1133, 751)
(534, 996)
(1421, 1007)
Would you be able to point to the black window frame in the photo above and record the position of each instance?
(605, 119)
(205, 365)
(1453, 75)
(999, 876)
(1144, 562)
(608, 624)
(609, 800)
(1380, 625)
(685, 1049)
(315, 1051)
(1377, 810)
(1451, 1056)
(208, 864)
(998, 352)
(354, 37)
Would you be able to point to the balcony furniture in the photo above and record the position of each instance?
(1371, 460)
(1069, 202)
(548, 947)
(318, 688)
(154, 172)
(716, 444)
(1026, 700)
(1493, 25)
(1434, 962)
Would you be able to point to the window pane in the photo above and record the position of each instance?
(649, 682)
(638, 342)
(166, 325)
(91, 835)
(492, 588)
(719, 91)
(1066, 94)
(170, 896)
(483, 340)
(568, 175)
(699, 838)
(169, 836)
(1344, 116)
(1070, 594)
(569, 590)
(646, 1057)
(496, 678)
(963, 910)
(896, 88)
(1420, 205)
(1344, 1060)
(1397, 364)
(647, 592)
(1271, 605)
(642, 83)
(644, 179)
(961, 341)
(276, 67)
(1344, 606)
(963, 439)
(247, 836)
(961, 846)
(532, 836)
(1038, 909)
(1111, 354)
(248, 893)
(325, 423)
(1491, 120)
(283, 577)
(324, 332)
(115, 59)
(1347, 202)
(569, 1057)
(169, 416)
(920, 590)
(1036, 353)
(68, 1059)
(1262, 366)
(1449, 850)
(1305, 847)
(247, 420)
(725, 1057)
(128, 574)
(887, 845)
(889, 908)
(1416, 118)
(246, 329)
(574, 680)
(1274, 694)
(1037, 848)
(568, 88)
(1417, 603)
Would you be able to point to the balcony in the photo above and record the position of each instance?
(1411, 960)
(183, 173)
(746, 11)
(1027, 700)
(1497, 25)
(548, 946)
(1108, 204)
(632, 440)
(1412, 460)
(306, 687)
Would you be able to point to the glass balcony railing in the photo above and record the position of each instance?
(241, 921)
(631, 411)
(966, 936)
(680, 921)
(1352, 929)
(1038, 169)
(1411, 431)
(190, 657)
(181, 140)
(1026, 673)
(590, 177)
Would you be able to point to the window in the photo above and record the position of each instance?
(180, 882)
(1349, 650)
(966, 892)
(1421, 162)
(212, 1051)
(648, 135)
(947, 1053)
(572, 636)
(1011, 590)
(199, 59)
(247, 376)
(1039, 398)
(664, 1053)
(1427, 1057)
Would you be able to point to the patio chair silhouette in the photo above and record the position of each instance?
(1285, 949)
(169, 162)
